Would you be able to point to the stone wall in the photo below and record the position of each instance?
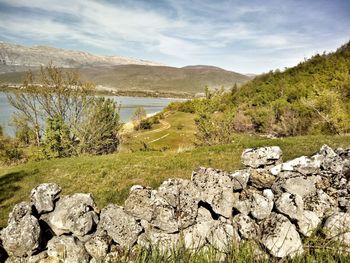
(274, 203)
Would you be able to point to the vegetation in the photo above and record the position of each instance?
(139, 115)
(311, 98)
(76, 123)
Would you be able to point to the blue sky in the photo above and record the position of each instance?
(244, 36)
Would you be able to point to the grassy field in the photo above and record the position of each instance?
(109, 177)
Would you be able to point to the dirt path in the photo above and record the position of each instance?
(165, 126)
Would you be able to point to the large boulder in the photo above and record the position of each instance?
(261, 157)
(21, 237)
(44, 196)
(120, 226)
(74, 214)
(280, 236)
(300, 185)
(67, 249)
(303, 165)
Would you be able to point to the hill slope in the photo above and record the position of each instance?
(114, 73)
(312, 97)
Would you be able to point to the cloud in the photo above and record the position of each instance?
(183, 32)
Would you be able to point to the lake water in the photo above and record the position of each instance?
(128, 106)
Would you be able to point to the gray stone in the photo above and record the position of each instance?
(159, 239)
(239, 179)
(241, 204)
(73, 214)
(261, 206)
(98, 246)
(195, 236)
(216, 189)
(280, 236)
(300, 185)
(337, 227)
(303, 165)
(164, 216)
(38, 258)
(260, 157)
(44, 196)
(21, 237)
(121, 227)
(139, 203)
(68, 249)
(247, 227)
(183, 196)
(223, 236)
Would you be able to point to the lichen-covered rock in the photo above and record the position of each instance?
(216, 189)
(260, 157)
(183, 196)
(239, 179)
(242, 204)
(321, 204)
(67, 249)
(44, 196)
(38, 258)
(303, 165)
(139, 203)
(196, 236)
(247, 227)
(261, 178)
(337, 227)
(158, 239)
(21, 237)
(98, 247)
(73, 214)
(280, 236)
(121, 227)
(261, 206)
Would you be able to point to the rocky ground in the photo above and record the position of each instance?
(275, 204)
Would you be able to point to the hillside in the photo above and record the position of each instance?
(310, 98)
(114, 73)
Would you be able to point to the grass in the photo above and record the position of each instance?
(109, 177)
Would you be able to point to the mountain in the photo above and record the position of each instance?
(115, 73)
(14, 57)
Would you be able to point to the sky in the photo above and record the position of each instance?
(240, 35)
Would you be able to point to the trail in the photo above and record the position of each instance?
(165, 126)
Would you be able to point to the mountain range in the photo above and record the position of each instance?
(114, 73)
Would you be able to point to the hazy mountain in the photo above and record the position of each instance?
(114, 72)
(15, 57)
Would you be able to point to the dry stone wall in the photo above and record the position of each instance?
(272, 202)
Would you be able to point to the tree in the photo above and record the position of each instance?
(54, 93)
(57, 141)
(138, 115)
(99, 129)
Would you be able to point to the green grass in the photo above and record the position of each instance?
(109, 177)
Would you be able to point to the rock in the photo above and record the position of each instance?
(21, 237)
(261, 178)
(121, 227)
(241, 204)
(293, 207)
(68, 249)
(280, 236)
(139, 203)
(38, 258)
(162, 241)
(216, 189)
(164, 216)
(44, 196)
(321, 204)
(73, 214)
(223, 236)
(183, 196)
(337, 227)
(303, 165)
(300, 186)
(261, 157)
(239, 179)
(98, 247)
(261, 206)
(195, 236)
(19, 211)
(247, 227)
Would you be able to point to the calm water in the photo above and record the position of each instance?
(128, 106)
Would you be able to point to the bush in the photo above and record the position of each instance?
(145, 125)
(10, 152)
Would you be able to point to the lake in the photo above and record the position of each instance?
(128, 106)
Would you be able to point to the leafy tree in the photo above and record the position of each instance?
(57, 141)
(99, 130)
